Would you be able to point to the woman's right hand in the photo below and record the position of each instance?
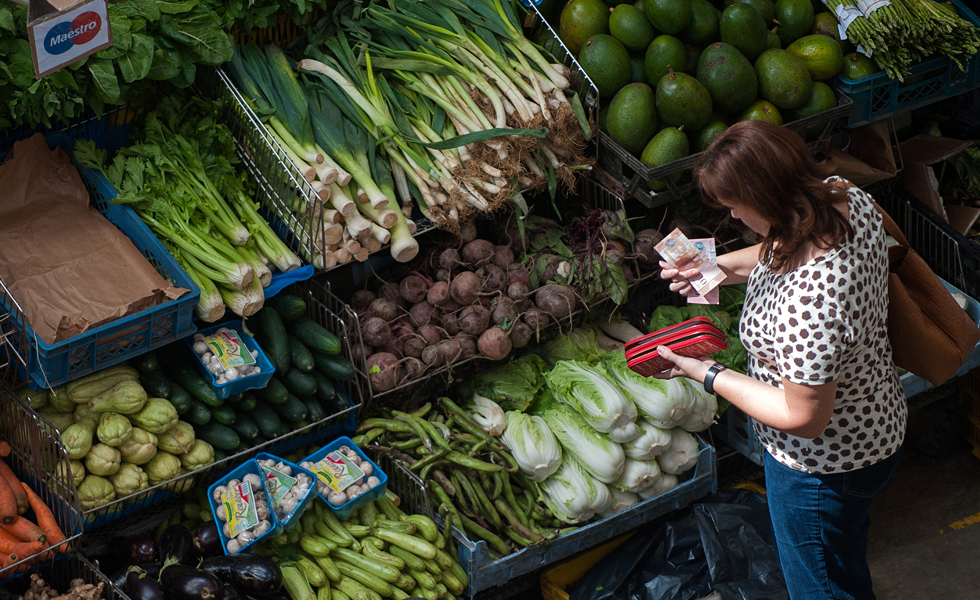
(679, 279)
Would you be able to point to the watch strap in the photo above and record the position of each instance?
(709, 377)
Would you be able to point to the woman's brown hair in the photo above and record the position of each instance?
(769, 170)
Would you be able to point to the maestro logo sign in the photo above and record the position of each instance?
(80, 30)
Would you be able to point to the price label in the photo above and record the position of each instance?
(337, 471)
(229, 349)
(240, 508)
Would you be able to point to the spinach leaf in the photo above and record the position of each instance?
(166, 64)
(175, 8)
(136, 63)
(104, 77)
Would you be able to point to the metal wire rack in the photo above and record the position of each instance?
(405, 484)
(60, 575)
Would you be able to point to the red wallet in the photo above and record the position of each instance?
(692, 338)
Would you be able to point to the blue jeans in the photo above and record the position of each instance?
(820, 525)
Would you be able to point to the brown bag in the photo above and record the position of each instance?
(931, 335)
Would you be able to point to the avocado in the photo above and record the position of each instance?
(630, 26)
(632, 118)
(703, 28)
(858, 66)
(683, 101)
(820, 54)
(728, 76)
(795, 19)
(580, 20)
(637, 73)
(783, 78)
(760, 110)
(821, 99)
(667, 146)
(766, 8)
(708, 134)
(772, 39)
(825, 23)
(664, 51)
(742, 26)
(607, 63)
(668, 16)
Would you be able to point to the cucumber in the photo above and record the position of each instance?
(315, 337)
(156, 384)
(248, 403)
(338, 404)
(234, 399)
(294, 425)
(196, 385)
(288, 306)
(315, 412)
(146, 363)
(267, 420)
(284, 428)
(299, 383)
(272, 338)
(333, 366)
(225, 415)
(219, 455)
(274, 392)
(219, 436)
(292, 410)
(245, 428)
(180, 399)
(198, 414)
(300, 355)
(325, 389)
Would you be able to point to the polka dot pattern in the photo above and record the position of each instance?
(823, 321)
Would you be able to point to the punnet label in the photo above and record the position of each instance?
(846, 15)
(337, 471)
(277, 484)
(240, 507)
(229, 349)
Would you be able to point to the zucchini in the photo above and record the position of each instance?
(196, 385)
(295, 425)
(299, 383)
(156, 384)
(273, 340)
(315, 337)
(333, 366)
(284, 428)
(245, 428)
(218, 435)
(248, 403)
(338, 404)
(292, 410)
(324, 387)
(300, 355)
(274, 392)
(198, 414)
(146, 362)
(180, 399)
(267, 420)
(288, 306)
(225, 415)
(315, 412)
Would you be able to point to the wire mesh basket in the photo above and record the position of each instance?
(37, 457)
(404, 483)
(60, 576)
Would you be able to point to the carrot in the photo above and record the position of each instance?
(8, 503)
(8, 541)
(26, 550)
(45, 519)
(25, 530)
(14, 483)
(4, 449)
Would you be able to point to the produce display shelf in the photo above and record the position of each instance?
(878, 96)
(60, 574)
(485, 572)
(324, 308)
(36, 456)
(578, 80)
(46, 365)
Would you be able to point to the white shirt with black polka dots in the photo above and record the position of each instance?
(823, 321)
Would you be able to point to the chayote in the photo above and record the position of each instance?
(95, 491)
(73, 469)
(102, 460)
(178, 440)
(82, 413)
(114, 429)
(78, 439)
(200, 455)
(129, 479)
(58, 399)
(60, 421)
(125, 398)
(139, 448)
(157, 416)
(162, 467)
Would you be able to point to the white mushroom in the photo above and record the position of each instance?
(246, 536)
(219, 492)
(234, 483)
(234, 546)
(373, 482)
(226, 530)
(367, 468)
(200, 348)
(262, 528)
(337, 498)
(198, 337)
(220, 511)
(262, 512)
(254, 480)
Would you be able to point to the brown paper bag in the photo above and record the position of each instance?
(67, 266)
(870, 157)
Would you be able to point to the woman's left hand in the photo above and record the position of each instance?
(692, 368)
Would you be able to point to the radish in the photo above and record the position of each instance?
(503, 310)
(520, 335)
(494, 344)
(449, 259)
(467, 232)
(388, 372)
(465, 288)
(384, 309)
(361, 300)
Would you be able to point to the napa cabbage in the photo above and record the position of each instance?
(572, 495)
(600, 456)
(532, 445)
(651, 443)
(638, 475)
(666, 402)
(681, 455)
(592, 393)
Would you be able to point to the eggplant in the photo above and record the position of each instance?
(176, 542)
(252, 574)
(232, 594)
(143, 586)
(206, 539)
(181, 582)
(118, 578)
(142, 549)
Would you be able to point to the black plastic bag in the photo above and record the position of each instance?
(723, 544)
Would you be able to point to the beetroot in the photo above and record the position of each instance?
(551, 269)
(438, 293)
(413, 346)
(450, 323)
(467, 232)
(430, 334)
(520, 335)
(494, 279)
(465, 288)
(390, 291)
(474, 319)
(393, 346)
(443, 275)
(450, 350)
(536, 319)
(376, 332)
(615, 252)
(412, 367)
(516, 273)
(503, 256)
(494, 344)
(478, 253)
(431, 355)
(384, 309)
(645, 246)
(524, 305)
(518, 291)
(361, 300)
(421, 313)
(449, 259)
(503, 310)
(557, 300)
(449, 307)
(467, 345)
(413, 289)
(388, 372)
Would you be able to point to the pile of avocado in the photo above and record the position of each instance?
(675, 73)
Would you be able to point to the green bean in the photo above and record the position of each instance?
(463, 419)
(488, 510)
(492, 540)
(386, 424)
(492, 486)
(428, 460)
(415, 426)
(466, 499)
(370, 436)
(472, 463)
(515, 523)
(423, 410)
(407, 444)
(510, 498)
(428, 468)
(523, 541)
(439, 477)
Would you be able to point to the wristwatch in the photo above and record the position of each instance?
(709, 377)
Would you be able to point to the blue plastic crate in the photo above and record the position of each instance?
(878, 97)
(258, 380)
(344, 511)
(290, 521)
(49, 365)
(738, 431)
(239, 473)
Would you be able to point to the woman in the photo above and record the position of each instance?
(822, 384)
